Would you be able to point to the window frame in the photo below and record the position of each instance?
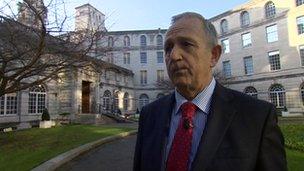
(9, 104)
(246, 40)
(273, 66)
(246, 70)
(227, 71)
(270, 10)
(300, 26)
(245, 22)
(143, 58)
(272, 35)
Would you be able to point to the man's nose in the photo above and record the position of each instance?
(175, 53)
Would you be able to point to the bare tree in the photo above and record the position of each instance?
(220, 77)
(31, 55)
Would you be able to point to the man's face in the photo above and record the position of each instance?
(188, 56)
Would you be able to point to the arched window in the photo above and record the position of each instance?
(143, 40)
(159, 95)
(126, 41)
(107, 100)
(126, 101)
(251, 91)
(300, 2)
(245, 20)
(143, 100)
(270, 9)
(37, 99)
(277, 95)
(8, 104)
(116, 101)
(302, 93)
(224, 26)
(110, 42)
(159, 40)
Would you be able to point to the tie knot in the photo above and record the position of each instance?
(188, 109)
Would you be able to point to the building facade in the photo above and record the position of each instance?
(263, 56)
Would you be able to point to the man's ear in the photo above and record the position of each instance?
(216, 54)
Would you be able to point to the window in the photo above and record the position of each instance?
(159, 40)
(248, 64)
(160, 57)
(126, 101)
(143, 77)
(270, 10)
(225, 46)
(126, 41)
(37, 99)
(300, 24)
(8, 104)
(110, 42)
(274, 60)
(106, 100)
(251, 91)
(143, 57)
(224, 26)
(117, 77)
(126, 58)
(143, 40)
(116, 101)
(246, 39)
(143, 100)
(302, 54)
(227, 68)
(302, 93)
(272, 33)
(277, 95)
(111, 58)
(300, 2)
(245, 20)
(160, 75)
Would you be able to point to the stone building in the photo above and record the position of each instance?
(263, 50)
(263, 56)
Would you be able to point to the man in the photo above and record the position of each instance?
(202, 125)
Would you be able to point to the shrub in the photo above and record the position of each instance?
(45, 115)
(64, 114)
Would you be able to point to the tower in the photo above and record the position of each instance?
(89, 18)
(30, 17)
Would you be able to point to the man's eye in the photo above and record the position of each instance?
(168, 49)
(187, 44)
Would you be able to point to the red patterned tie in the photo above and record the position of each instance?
(178, 157)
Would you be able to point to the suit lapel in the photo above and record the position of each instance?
(221, 114)
(166, 108)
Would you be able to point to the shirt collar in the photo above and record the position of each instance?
(202, 100)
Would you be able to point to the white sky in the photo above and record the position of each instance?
(138, 14)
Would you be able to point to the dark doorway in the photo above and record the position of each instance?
(86, 97)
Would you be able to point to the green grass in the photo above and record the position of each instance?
(294, 136)
(23, 150)
(294, 143)
(295, 160)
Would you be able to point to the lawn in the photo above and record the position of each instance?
(23, 150)
(294, 143)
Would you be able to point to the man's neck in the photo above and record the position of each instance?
(189, 92)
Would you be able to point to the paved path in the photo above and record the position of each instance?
(114, 156)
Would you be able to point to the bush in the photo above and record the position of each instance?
(45, 115)
(64, 114)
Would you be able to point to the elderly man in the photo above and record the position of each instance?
(202, 125)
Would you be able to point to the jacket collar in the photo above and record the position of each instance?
(221, 114)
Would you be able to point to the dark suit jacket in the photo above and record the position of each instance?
(241, 135)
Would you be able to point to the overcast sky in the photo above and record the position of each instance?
(145, 14)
